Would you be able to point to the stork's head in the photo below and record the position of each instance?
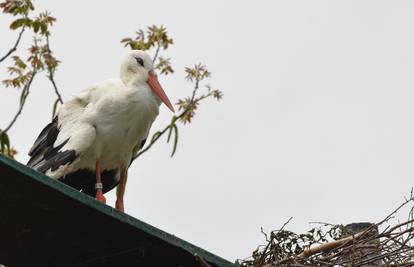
(137, 68)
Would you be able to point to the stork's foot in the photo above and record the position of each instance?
(100, 197)
(119, 205)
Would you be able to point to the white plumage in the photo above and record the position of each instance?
(105, 124)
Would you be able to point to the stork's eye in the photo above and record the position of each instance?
(140, 61)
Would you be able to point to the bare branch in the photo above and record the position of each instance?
(14, 48)
(52, 80)
(25, 93)
(154, 139)
(51, 74)
(156, 52)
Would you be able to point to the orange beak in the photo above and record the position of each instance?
(157, 89)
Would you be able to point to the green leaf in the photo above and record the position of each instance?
(173, 120)
(155, 136)
(175, 140)
(5, 142)
(18, 23)
(169, 134)
(36, 26)
(43, 28)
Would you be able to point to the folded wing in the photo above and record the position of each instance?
(65, 139)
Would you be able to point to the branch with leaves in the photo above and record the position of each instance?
(157, 39)
(186, 107)
(18, 9)
(41, 59)
(23, 71)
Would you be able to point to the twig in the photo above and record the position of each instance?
(156, 52)
(195, 89)
(158, 134)
(155, 137)
(14, 48)
(323, 223)
(263, 232)
(52, 80)
(263, 257)
(52, 74)
(286, 223)
(398, 208)
(25, 91)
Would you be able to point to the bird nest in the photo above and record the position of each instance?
(386, 243)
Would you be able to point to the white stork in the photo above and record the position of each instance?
(90, 143)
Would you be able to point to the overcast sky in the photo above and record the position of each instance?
(316, 120)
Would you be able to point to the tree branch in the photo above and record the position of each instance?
(51, 75)
(156, 52)
(197, 83)
(14, 48)
(158, 134)
(52, 80)
(25, 93)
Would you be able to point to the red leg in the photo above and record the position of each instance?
(120, 190)
(99, 195)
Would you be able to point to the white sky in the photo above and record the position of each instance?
(316, 120)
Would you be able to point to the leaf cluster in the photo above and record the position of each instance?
(5, 147)
(40, 58)
(156, 37)
(153, 37)
(21, 9)
(189, 104)
(197, 73)
(16, 7)
(284, 243)
(186, 107)
(20, 72)
(40, 24)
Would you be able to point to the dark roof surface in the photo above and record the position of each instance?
(46, 223)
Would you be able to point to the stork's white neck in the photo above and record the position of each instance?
(133, 77)
(138, 87)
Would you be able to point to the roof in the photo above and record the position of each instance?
(43, 222)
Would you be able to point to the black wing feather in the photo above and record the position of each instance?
(46, 138)
(43, 142)
(44, 156)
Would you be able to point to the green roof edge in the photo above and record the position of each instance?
(91, 202)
